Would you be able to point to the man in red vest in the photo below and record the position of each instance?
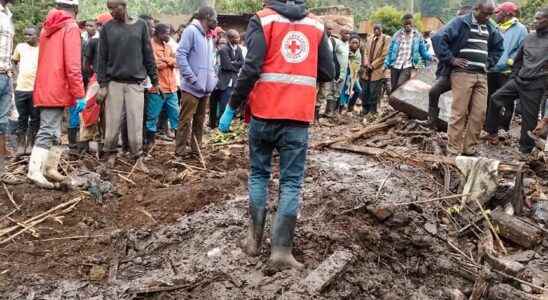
(288, 53)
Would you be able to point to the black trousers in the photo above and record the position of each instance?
(441, 86)
(399, 76)
(372, 93)
(530, 96)
(214, 103)
(494, 120)
(29, 116)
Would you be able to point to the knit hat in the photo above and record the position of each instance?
(508, 8)
(103, 18)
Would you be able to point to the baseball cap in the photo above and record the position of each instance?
(508, 7)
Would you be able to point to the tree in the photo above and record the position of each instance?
(29, 13)
(390, 18)
(529, 10)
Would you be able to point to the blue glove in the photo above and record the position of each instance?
(226, 119)
(80, 105)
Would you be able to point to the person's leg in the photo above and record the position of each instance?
(225, 97)
(213, 108)
(173, 110)
(34, 124)
(394, 78)
(405, 75)
(46, 153)
(476, 117)
(530, 106)
(441, 86)
(328, 95)
(462, 84)
(5, 106)
(23, 108)
(260, 158)
(134, 104)
(198, 124)
(292, 144)
(375, 94)
(155, 104)
(494, 119)
(114, 108)
(189, 103)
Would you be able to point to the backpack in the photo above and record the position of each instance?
(335, 60)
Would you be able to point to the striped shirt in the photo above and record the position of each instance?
(403, 60)
(6, 39)
(475, 50)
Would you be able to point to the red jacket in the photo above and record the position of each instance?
(59, 76)
(286, 89)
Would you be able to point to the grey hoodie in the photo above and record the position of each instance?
(196, 59)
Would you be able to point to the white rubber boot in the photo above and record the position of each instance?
(52, 163)
(37, 163)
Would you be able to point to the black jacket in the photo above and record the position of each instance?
(256, 51)
(230, 64)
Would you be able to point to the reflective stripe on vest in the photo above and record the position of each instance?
(286, 89)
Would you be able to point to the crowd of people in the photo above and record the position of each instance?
(125, 81)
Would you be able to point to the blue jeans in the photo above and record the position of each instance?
(5, 102)
(223, 101)
(154, 107)
(291, 142)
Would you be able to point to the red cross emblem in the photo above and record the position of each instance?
(294, 47)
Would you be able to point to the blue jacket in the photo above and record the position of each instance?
(196, 61)
(453, 37)
(513, 39)
(419, 49)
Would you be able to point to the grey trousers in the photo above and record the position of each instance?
(126, 97)
(50, 127)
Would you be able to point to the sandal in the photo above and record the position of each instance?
(10, 179)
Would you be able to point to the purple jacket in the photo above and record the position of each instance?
(195, 59)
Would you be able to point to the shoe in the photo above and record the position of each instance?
(37, 164)
(170, 134)
(150, 139)
(330, 109)
(52, 163)
(21, 145)
(252, 244)
(282, 244)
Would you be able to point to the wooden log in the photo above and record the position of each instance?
(504, 167)
(507, 292)
(516, 230)
(365, 133)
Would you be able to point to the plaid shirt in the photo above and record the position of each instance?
(6, 39)
(404, 53)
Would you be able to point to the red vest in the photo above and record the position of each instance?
(286, 89)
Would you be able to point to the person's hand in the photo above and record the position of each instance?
(101, 95)
(226, 119)
(459, 62)
(80, 105)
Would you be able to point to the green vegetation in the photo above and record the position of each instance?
(391, 17)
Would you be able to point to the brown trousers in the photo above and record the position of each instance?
(193, 113)
(467, 110)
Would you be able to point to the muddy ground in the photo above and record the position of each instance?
(173, 233)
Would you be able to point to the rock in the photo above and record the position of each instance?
(454, 294)
(431, 228)
(381, 213)
(505, 265)
(539, 212)
(327, 272)
(97, 273)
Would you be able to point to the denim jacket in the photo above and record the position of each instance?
(418, 49)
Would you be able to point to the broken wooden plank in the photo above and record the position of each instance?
(329, 270)
(504, 265)
(365, 133)
(506, 292)
(516, 230)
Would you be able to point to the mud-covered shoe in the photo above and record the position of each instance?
(252, 244)
(283, 232)
(37, 162)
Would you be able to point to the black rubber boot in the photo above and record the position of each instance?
(72, 138)
(432, 121)
(282, 244)
(330, 108)
(150, 139)
(31, 136)
(252, 244)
